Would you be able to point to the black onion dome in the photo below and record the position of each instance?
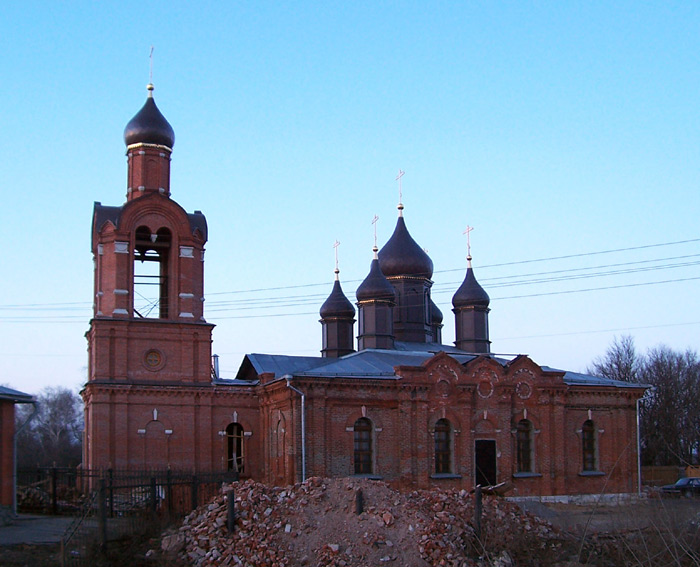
(401, 255)
(149, 126)
(437, 314)
(375, 285)
(470, 293)
(337, 305)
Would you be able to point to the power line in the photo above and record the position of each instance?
(581, 254)
(591, 332)
(514, 263)
(596, 289)
(493, 299)
(299, 300)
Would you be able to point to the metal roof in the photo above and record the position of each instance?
(281, 364)
(15, 396)
(380, 364)
(578, 379)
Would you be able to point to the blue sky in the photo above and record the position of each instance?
(555, 129)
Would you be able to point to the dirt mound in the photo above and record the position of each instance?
(316, 523)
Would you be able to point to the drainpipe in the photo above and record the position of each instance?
(639, 453)
(288, 377)
(14, 455)
(215, 366)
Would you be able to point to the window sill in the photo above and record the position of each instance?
(368, 476)
(526, 475)
(591, 473)
(441, 476)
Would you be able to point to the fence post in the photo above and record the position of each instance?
(231, 512)
(194, 491)
(169, 493)
(154, 495)
(477, 512)
(102, 515)
(54, 491)
(359, 501)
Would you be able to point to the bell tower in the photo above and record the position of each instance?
(148, 329)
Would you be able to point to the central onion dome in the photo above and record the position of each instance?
(149, 126)
(401, 255)
(375, 285)
(337, 305)
(470, 293)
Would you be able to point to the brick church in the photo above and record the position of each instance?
(386, 401)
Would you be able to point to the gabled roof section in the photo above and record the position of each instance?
(198, 222)
(368, 363)
(102, 214)
(276, 364)
(15, 396)
(577, 379)
(427, 347)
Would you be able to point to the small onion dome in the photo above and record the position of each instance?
(401, 255)
(437, 314)
(470, 293)
(337, 305)
(149, 126)
(375, 286)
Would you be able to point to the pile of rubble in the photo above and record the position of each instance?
(353, 522)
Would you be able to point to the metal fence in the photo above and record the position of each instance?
(109, 504)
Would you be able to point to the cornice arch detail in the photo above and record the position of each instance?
(367, 413)
(444, 413)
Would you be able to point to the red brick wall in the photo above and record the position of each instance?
(7, 431)
(404, 413)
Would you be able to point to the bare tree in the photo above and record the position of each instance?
(621, 361)
(54, 436)
(670, 411)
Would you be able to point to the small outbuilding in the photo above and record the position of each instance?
(8, 399)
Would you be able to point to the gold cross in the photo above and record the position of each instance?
(374, 223)
(335, 246)
(150, 74)
(469, 247)
(398, 178)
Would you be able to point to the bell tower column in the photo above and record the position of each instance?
(149, 345)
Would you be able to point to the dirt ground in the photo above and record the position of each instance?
(131, 551)
(23, 555)
(637, 515)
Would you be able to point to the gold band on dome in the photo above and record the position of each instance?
(147, 145)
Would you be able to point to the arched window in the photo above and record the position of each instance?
(151, 254)
(363, 446)
(525, 446)
(234, 448)
(443, 447)
(588, 443)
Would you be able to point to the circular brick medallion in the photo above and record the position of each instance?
(524, 390)
(153, 360)
(485, 389)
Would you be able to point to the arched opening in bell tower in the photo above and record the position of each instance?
(151, 256)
